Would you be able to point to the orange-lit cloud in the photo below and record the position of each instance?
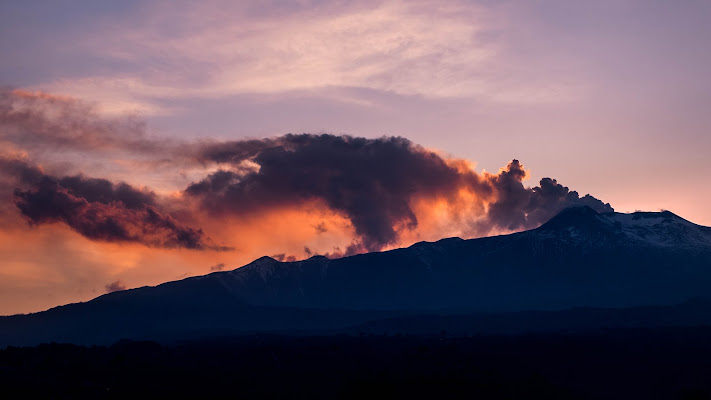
(48, 265)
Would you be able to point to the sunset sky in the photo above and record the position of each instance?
(146, 141)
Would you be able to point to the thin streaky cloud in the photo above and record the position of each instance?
(216, 50)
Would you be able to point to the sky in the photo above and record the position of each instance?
(147, 141)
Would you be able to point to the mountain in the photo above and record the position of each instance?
(578, 259)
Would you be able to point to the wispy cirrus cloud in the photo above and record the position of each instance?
(218, 49)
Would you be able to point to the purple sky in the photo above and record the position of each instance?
(610, 98)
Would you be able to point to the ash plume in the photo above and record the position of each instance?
(517, 207)
(217, 267)
(385, 188)
(99, 209)
(115, 286)
(373, 182)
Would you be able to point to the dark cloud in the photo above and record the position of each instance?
(115, 286)
(217, 267)
(517, 207)
(282, 257)
(19, 170)
(14, 171)
(101, 210)
(370, 181)
(351, 249)
(321, 227)
(104, 191)
(336, 252)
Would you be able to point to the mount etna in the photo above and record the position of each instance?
(582, 270)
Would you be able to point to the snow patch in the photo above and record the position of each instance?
(663, 229)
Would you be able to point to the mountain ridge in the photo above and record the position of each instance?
(577, 215)
(577, 259)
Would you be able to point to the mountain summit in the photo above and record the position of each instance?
(580, 258)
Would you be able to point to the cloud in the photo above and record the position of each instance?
(321, 227)
(282, 257)
(369, 180)
(19, 168)
(66, 167)
(456, 49)
(386, 45)
(115, 286)
(387, 188)
(69, 136)
(105, 192)
(373, 182)
(38, 121)
(517, 207)
(101, 210)
(217, 267)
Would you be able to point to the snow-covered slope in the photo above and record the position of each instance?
(662, 229)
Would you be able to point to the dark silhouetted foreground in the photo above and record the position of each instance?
(672, 363)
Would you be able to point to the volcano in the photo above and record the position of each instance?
(579, 260)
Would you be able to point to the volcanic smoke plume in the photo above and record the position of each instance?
(373, 182)
(383, 192)
(100, 210)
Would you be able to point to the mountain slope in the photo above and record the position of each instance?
(578, 259)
